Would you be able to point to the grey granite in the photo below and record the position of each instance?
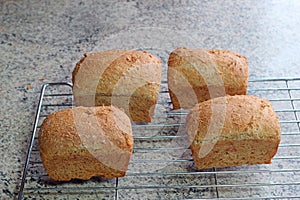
(42, 40)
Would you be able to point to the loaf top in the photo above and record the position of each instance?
(209, 67)
(80, 130)
(117, 72)
(235, 117)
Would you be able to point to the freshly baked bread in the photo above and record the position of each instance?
(86, 141)
(127, 79)
(196, 75)
(232, 131)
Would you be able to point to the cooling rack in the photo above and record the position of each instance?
(161, 166)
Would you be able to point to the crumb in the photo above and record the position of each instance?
(41, 79)
(29, 86)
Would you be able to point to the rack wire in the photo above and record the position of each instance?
(161, 166)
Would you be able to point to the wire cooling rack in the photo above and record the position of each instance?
(161, 166)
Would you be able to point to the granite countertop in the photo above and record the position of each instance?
(42, 40)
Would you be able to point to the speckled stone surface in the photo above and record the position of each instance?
(42, 40)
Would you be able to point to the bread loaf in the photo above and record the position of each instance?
(84, 142)
(232, 131)
(127, 79)
(196, 75)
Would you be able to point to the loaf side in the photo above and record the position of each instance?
(249, 132)
(84, 142)
(196, 75)
(127, 75)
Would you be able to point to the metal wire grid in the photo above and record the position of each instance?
(162, 167)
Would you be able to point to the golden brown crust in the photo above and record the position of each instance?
(196, 75)
(84, 142)
(249, 134)
(115, 74)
